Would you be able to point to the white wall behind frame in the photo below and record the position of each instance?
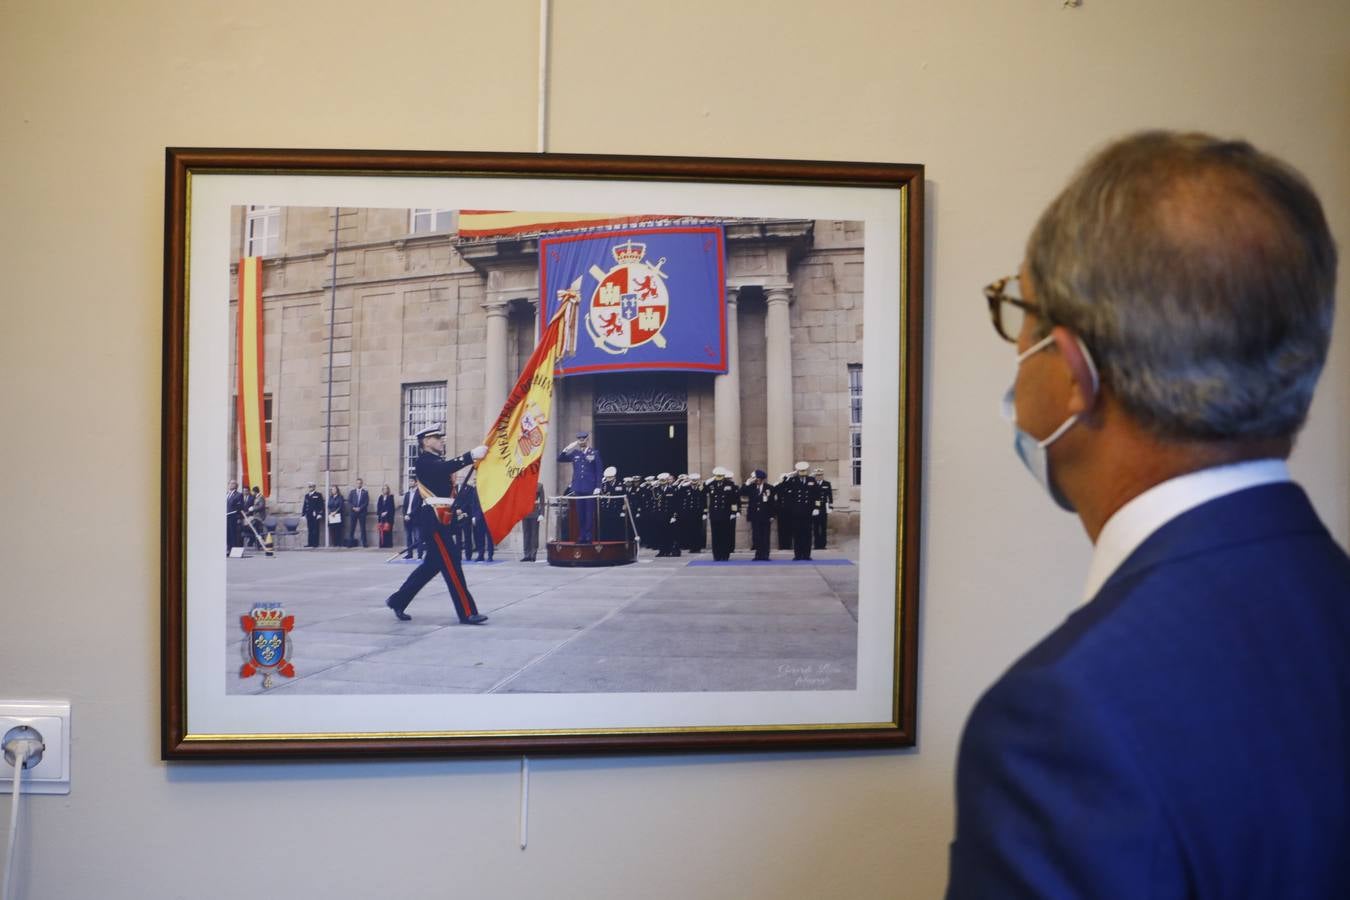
(999, 100)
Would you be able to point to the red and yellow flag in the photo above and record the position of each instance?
(502, 222)
(249, 336)
(508, 475)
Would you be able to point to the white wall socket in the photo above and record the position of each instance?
(52, 719)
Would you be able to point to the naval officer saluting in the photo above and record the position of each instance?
(436, 486)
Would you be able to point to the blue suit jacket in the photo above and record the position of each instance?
(1185, 734)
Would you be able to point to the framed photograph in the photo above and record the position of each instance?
(660, 508)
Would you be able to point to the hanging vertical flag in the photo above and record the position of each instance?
(249, 362)
(508, 475)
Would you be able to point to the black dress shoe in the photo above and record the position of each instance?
(402, 616)
(475, 619)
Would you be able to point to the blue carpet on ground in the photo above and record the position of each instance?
(486, 562)
(771, 562)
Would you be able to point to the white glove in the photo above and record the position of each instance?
(570, 447)
(815, 512)
(539, 518)
(478, 452)
(705, 517)
(733, 517)
(596, 491)
(672, 520)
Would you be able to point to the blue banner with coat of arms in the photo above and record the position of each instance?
(648, 298)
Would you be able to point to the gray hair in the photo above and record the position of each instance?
(1201, 274)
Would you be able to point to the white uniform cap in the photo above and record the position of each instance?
(801, 467)
(610, 472)
(694, 476)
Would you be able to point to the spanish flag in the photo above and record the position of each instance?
(479, 223)
(508, 475)
(249, 362)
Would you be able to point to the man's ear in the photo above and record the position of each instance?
(1085, 386)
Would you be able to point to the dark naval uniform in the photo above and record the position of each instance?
(759, 510)
(783, 512)
(613, 515)
(800, 494)
(313, 513)
(586, 472)
(666, 520)
(434, 474)
(818, 522)
(724, 505)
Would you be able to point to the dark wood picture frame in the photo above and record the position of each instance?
(188, 167)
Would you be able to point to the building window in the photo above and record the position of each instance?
(262, 231)
(423, 406)
(425, 221)
(855, 421)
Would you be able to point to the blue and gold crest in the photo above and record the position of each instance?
(267, 642)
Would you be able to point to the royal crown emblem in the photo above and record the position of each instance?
(267, 642)
(630, 304)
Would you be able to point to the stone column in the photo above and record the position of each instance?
(727, 399)
(778, 370)
(494, 364)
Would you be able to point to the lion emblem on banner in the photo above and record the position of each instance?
(630, 304)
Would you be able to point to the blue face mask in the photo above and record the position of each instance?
(1033, 453)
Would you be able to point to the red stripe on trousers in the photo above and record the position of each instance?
(463, 602)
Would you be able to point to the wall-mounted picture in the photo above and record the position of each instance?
(538, 453)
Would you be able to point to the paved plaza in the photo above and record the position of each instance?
(678, 624)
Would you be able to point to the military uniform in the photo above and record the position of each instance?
(586, 472)
(666, 513)
(312, 510)
(529, 526)
(784, 514)
(800, 494)
(759, 509)
(724, 505)
(818, 523)
(613, 515)
(434, 475)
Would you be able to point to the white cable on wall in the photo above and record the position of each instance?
(20, 757)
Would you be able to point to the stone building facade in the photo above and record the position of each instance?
(391, 319)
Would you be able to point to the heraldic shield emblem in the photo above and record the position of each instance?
(267, 642)
(630, 304)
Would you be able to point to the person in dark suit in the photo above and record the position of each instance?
(358, 506)
(384, 517)
(335, 517)
(312, 510)
(435, 476)
(478, 530)
(255, 515)
(412, 501)
(235, 505)
(759, 509)
(1185, 732)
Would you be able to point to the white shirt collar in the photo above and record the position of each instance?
(1134, 522)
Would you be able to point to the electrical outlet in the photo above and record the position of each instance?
(51, 718)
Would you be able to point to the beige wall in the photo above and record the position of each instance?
(999, 99)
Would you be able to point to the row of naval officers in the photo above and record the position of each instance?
(677, 513)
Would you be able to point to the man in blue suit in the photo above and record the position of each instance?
(1186, 732)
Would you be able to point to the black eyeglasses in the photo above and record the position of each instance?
(1008, 312)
